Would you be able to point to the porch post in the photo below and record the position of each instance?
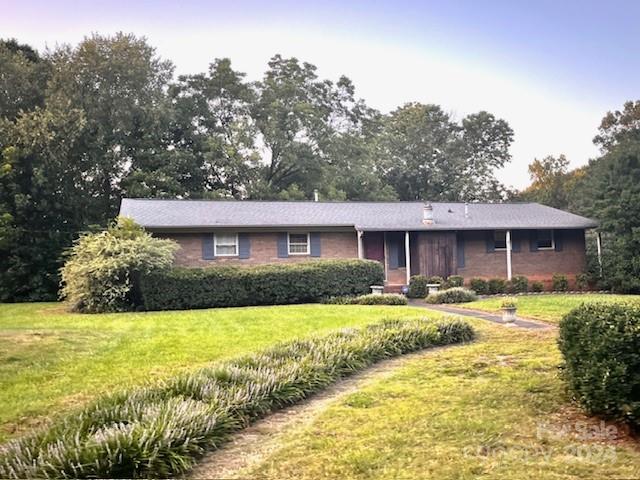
(599, 247)
(360, 249)
(386, 256)
(407, 256)
(508, 254)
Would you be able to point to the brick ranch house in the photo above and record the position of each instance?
(485, 240)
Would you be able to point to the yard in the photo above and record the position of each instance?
(51, 360)
(548, 308)
(495, 408)
(492, 409)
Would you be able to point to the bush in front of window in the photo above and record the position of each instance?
(560, 282)
(281, 284)
(455, 281)
(497, 286)
(518, 284)
(479, 285)
(452, 295)
(600, 343)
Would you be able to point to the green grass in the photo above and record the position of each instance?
(52, 361)
(484, 410)
(549, 308)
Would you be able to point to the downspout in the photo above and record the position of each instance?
(599, 248)
(407, 256)
(508, 238)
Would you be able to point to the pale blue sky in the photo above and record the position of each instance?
(550, 68)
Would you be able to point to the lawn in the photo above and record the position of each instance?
(549, 308)
(492, 409)
(52, 361)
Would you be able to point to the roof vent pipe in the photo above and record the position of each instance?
(315, 195)
(466, 209)
(427, 214)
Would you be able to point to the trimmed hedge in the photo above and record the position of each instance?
(455, 281)
(225, 286)
(518, 284)
(452, 295)
(496, 285)
(479, 285)
(560, 283)
(417, 286)
(370, 299)
(537, 287)
(159, 431)
(600, 344)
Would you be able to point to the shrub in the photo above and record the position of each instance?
(519, 284)
(479, 286)
(509, 302)
(455, 281)
(560, 283)
(537, 287)
(160, 430)
(225, 286)
(496, 285)
(600, 345)
(436, 279)
(582, 281)
(103, 269)
(370, 299)
(452, 295)
(417, 286)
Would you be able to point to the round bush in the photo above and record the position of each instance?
(600, 344)
(417, 286)
(452, 295)
(479, 285)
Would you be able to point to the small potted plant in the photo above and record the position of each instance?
(509, 305)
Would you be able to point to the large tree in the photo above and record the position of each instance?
(427, 155)
(120, 84)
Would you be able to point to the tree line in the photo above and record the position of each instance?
(83, 125)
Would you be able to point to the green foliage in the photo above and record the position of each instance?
(518, 284)
(369, 299)
(160, 430)
(455, 281)
(509, 302)
(103, 269)
(417, 286)
(427, 155)
(582, 281)
(537, 287)
(452, 295)
(496, 286)
(479, 285)
(559, 283)
(600, 345)
(277, 284)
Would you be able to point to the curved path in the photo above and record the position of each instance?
(249, 446)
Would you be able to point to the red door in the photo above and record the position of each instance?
(374, 246)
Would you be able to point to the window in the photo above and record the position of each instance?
(226, 244)
(500, 239)
(545, 240)
(298, 244)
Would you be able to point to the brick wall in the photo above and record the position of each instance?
(263, 249)
(538, 265)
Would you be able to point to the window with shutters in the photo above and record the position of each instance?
(226, 244)
(298, 244)
(545, 240)
(500, 239)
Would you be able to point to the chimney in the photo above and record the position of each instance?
(427, 214)
(466, 209)
(315, 195)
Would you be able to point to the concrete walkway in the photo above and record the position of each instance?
(491, 317)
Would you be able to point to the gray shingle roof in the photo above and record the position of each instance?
(193, 214)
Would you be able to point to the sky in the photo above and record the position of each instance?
(552, 69)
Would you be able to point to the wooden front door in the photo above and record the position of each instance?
(436, 253)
